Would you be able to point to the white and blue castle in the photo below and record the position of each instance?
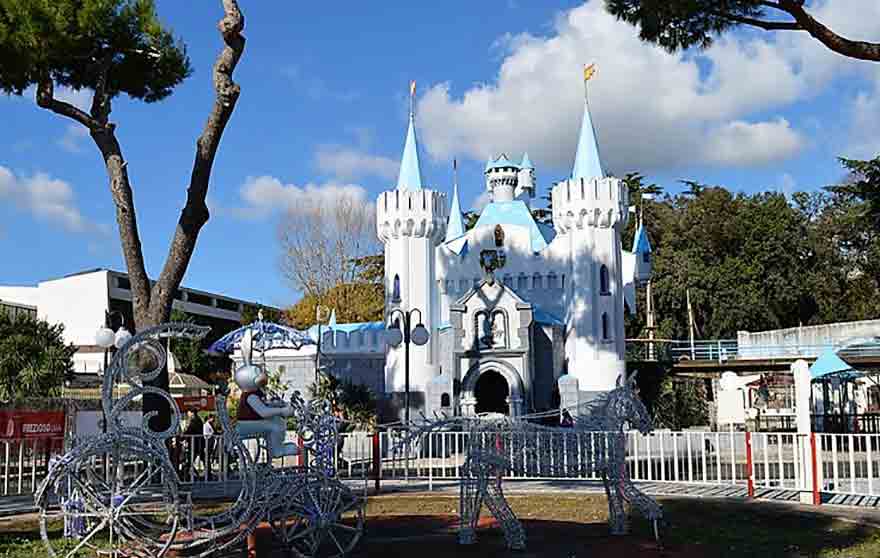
(545, 327)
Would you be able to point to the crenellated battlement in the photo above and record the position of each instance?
(598, 202)
(368, 340)
(521, 282)
(417, 213)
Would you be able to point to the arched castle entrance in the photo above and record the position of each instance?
(491, 392)
(492, 386)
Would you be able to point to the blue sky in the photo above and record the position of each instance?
(323, 111)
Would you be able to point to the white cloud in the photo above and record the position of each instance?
(346, 163)
(48, 199)
(264, 195)
(741, 143)
(652, 110)
(72, 139)
(864, 140)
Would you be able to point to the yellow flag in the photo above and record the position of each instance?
(412, 88)
(589, 71)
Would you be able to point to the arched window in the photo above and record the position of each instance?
(646, 257)
(603, 281)
(604, 326)
(444, 400)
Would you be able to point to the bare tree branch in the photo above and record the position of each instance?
(766, 25)
(854, 49)
(104, 137)
(46, 99)
(321, 244)
(195, 213)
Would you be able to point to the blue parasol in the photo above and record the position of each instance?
(267, 336)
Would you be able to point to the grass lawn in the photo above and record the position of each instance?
(561, 525)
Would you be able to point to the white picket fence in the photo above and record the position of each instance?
(845, 464)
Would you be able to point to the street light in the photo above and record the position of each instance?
(394, 336)
(106, 337)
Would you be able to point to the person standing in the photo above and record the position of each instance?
(195, 440)
(208, 432)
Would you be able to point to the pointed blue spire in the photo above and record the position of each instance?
(526, 162)
(410, 177)
(455, 228)
(587, 163)
(641, 244)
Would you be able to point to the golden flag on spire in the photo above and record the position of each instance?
(412, 88)
(589, 71)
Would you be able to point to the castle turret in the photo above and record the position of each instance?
(642, 249)
(501, 178)
(590, 211)
(525, 180)
(411, 222)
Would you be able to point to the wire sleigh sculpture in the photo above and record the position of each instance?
(118, 494)
(594, 444)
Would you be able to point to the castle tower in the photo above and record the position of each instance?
(501, 178)
(411, 222)
(590, 211)
(525, 180)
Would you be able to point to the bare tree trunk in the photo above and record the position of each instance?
(152, 305)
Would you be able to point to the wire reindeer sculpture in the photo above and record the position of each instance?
(595, 444)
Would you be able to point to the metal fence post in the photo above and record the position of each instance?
(817, 499)
(749, 465)
(377, 460)
(430, 462)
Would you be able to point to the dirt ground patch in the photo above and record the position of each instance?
(560, 525)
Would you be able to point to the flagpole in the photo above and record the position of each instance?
(412, 95)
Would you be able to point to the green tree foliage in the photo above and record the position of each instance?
(34, 359)
(353, 402)
(681, 24)
(754, 262)
(66, 40)
(190, 353)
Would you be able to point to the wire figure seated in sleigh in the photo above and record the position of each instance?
(259, 414)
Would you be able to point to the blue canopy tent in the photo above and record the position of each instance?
(837, 380)
(267, 336)
(829, 364)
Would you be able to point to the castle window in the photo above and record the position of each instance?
(463, 285)
(646, 257)
(552, 282)
(604, 326)
(603, 281)
(444, 400)
(521, 282)
(536, 281)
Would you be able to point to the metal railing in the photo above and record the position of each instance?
(722, 350)
(847, 464)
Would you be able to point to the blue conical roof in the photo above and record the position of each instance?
(455, 227)
(587, 163)
(526, 162)
(828, 363)
(641, 244)
(501, 162)
(410, 177)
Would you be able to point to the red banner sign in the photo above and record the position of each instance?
(195, 403)
(31, 424)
